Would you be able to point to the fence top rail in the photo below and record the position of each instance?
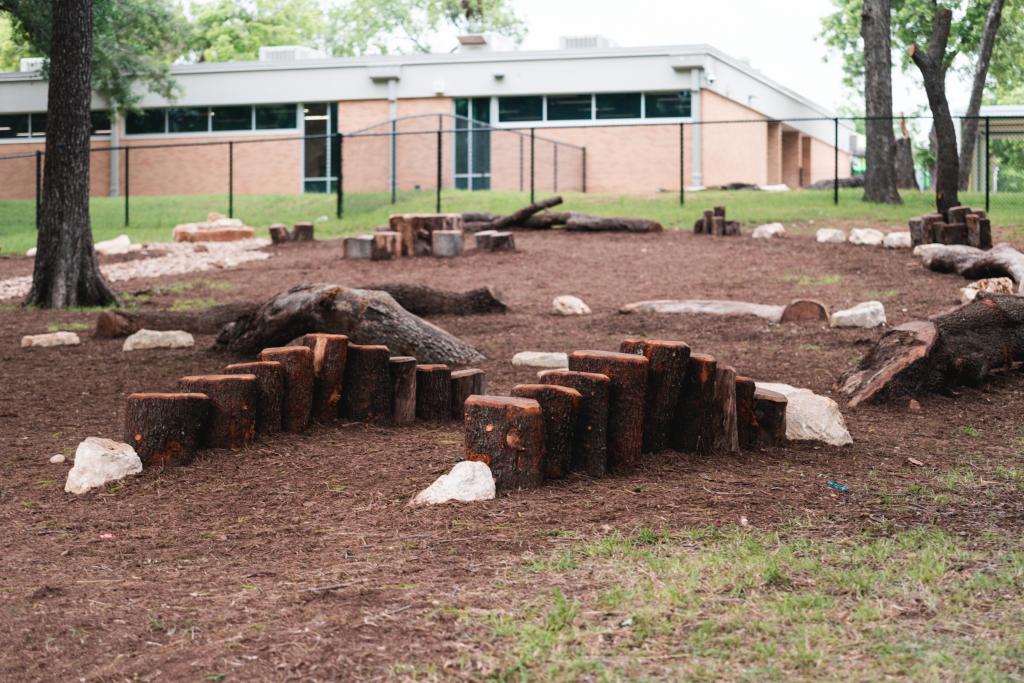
(20, 155)
(475, 123)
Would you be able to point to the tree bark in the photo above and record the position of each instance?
(590, 445)
(416, 230)
(745, 389)
(973, 263)
(693, 431)
(517, 217)
(665, 377)
(466, 383)
(932, 64)
(769, 425)
(270, 385)
(880, 175)
(424, 301)
(434, 392)
(298, 384)
(367, 383)
(560, 407)
(507, 434)
(330, 352)
(364, 316)
(725, 434)
(164, 429)
(233, 400)
(906, 179)
(114, 323)
(403, 389)
(585, 223)
(969, 133)
(66, 272)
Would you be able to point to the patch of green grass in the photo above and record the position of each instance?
(810, 347)
(67, 327)
(968, 430)
(881, 294)
(190, 285)
(814, 280)
(184, 305)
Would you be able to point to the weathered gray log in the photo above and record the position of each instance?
(270, 385)
(973, 263)
(517, 217)
(693, 429)
(546, 220)
(358, 246)
(581, 222)
(165, 429)
(367, 393)
(590, 446)
(364, 316)
(466, 383)
(508, 434)
(114, 323)
(403, 389)
(416, 228)
(423, 300)
(433, 392)
(297, 362)
(330, 352)
(478, 216)
(665, 376)
(232, 417)
(706, 306)
(495, 240)
(560, 407)
(446, 243)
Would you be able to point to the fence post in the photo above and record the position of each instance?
(231, 179)
(520, 162)
(682, 166)
(988, 177)
(339, 188)
(532, 166)
(127, 182)
(835, 167)
(584, 185)
(554, 181)
(394, 160)
(39, 185)
(437, 201)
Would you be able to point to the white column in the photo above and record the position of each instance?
(697, 131)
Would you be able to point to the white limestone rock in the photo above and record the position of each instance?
(567, 304)
(897, 240)
(541, 359)
(122, 244)
(31, 251)
(57, 459)
(468, 481)
(810, 417)
(30, 341)
(866, 314)
(995, 285)
(98, 461)
(158, 339)
(768, 231)
(866, 237)
(830, 235)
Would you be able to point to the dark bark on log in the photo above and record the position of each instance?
(979, 231)
(329, 357)
(961, 347)
(692, 428)
(302, 232)
(611, 224)
(560, 407)
(974, 264)
(424, 301)
(880, 176)
(433, 392)
(725, 437)
(233, 400)
(906, 179)
(665, 376)
(628, 375)
(590, 445)
(164, 429)
(546, 220)
(364, 316)
(769, 426)
(745, 388)
(358, 247)
(403, 389)
(367, 393)
(478, 216)
(297, 362)
(115, 323)
(517, 217)
(466, 383)
(495, 240)
(386, 245)
(416, 228)
(279, 234)
(969, 133)
(270, 386)
(507, 434)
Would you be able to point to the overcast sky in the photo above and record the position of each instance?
(777, 38)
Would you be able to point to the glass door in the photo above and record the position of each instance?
(472, 143)
(320, 169)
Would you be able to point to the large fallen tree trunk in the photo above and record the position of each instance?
(961, 347)
(366, 316)
(512, 219)
(973, 263)
(121, 323)
(584, 222)
(423, 300)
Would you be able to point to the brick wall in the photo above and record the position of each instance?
(732, 152)
(18, 176)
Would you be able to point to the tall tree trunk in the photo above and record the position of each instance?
(932, 64)
(66, 272)
(880, 175)
(969, 135)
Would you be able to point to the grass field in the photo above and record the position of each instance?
(152, 218)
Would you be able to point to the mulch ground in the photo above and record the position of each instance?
(298, 558)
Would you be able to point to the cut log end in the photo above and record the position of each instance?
(507, 434)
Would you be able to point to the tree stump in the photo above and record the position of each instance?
(233, 400)
(466, 383)
(745, 388)
(433, 392)
(979, 231)
(297, 362)
(628, 375)
(385, 245)
(302, 232)
(403, 389)
(279, 234)
(805, 311)
(590, 445)
(666, 373)
(358, 247)
(495, 240)
(165, 429)
(508, 434)
(446, 243)
(367, 394)
(560, 407)
(769, 426)
(416, 228)
(692, 430)
(725, 437)
(330, 352)
(270, 384)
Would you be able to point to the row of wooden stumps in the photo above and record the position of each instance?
(608, 408)
(423, 234)
(714, 223)
(322, 379)
(300, 232)
(959, 225)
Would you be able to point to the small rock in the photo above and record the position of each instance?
(913, 406)
(57, 459)
(811, 417)
(31, 252)
(468, 481)
(897, 240)
(541, 359)
(866, 314)
(831, 235)
(98, 461)
(567, 304)
(866, 237)
(995, 285)
(915, 462)
(768, 231)
(50, 339)
(320, 219)
(122, 244)
(158, 339)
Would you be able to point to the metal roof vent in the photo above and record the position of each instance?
(32, 64)
(584, 42)
(289, 53)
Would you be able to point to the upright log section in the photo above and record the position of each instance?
(628, 375)
(560, 407)
(507, 433)
(297, 362)
(367, 383)
(403, 389)
(233, 400)
(745, 388)
(165, 429)
(692, 429)
(590, 446)
(769, 427)
(416, 230)
(270, 383)
(433, 392)
(466, 383)
(330, 352)
(725, 436)
(666, 373)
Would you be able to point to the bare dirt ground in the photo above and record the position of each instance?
(298, 558)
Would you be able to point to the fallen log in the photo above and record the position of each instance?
(517, 217)
(583, 222)
(115, 323)
(546, 220)
(974, 263)
(365, 316)
(961, 347)
(423, 300)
